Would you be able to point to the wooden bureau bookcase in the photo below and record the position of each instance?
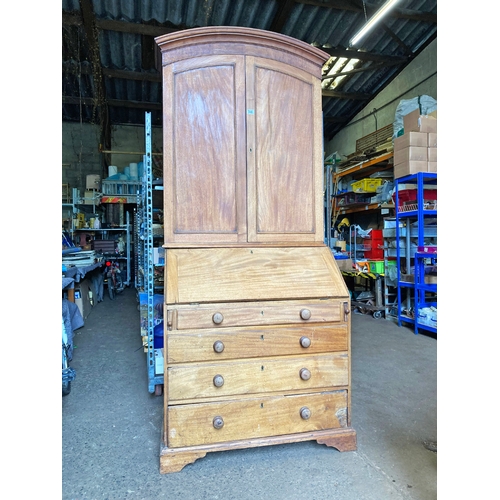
(257, 314)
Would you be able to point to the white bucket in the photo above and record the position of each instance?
(126, 171)
(133, 170)
(112, 170)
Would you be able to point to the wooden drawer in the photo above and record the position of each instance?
(256, 376)
(205, 423)
(215, 344)
(255, 313)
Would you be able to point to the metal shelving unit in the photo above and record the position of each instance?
(145, 267)
(362, 169)
(424, 292)
(413, 294)
(106, 236)
(70, 209)
(390, 285)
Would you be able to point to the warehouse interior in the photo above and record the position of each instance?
(112, 135)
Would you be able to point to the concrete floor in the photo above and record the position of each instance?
(111, 425)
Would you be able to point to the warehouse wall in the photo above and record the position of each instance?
(419, 78)
(131, 139)
(80, 153)
(80, 150)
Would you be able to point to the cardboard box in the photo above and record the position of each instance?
(432, 154)
(91, 198)
(427, 124)
(432, 140)
(84, 294)
(415, 122)
(93, 182)
(432, 166)
(411, 139)
(409, 167)
(411, 153)
(410, 121)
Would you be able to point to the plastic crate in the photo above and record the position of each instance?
(377, 266)
(375, 254)
(427, 249)
(367, 185)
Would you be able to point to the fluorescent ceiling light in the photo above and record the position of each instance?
(374, 20)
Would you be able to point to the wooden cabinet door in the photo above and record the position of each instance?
(284, 153)
(204, 150)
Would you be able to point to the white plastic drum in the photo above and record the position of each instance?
(133, 170)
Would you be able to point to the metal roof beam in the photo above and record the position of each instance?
(355, 96)
(363, 56)
(89, 101)
(114, 73)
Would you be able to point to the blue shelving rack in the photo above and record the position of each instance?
(417, 294)
(144, 262)
(422, 289)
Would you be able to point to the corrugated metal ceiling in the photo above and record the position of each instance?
(109, 73)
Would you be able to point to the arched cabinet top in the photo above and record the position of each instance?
(223, 40)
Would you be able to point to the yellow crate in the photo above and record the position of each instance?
(366, 185)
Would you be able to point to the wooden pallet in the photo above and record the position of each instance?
(371, 145)
(376, 138)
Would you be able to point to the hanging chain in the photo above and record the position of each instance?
(364, 10)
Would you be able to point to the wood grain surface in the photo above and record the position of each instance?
(231, 274)
(193, 424)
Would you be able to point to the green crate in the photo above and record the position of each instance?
(377, 266)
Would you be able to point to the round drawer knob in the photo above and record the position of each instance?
(305, 314)
(305, 374)
(218, 422)
(218, 381)
(305, 412)
(305, 341)
(218, 346)
(217, 318)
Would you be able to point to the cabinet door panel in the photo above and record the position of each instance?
(284, 153)
(204, 150)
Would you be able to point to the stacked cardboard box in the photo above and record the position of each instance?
(416, 150)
